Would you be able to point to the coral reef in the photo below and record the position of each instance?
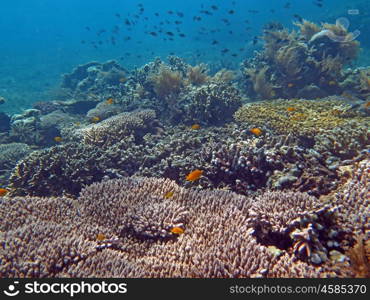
(307, 64)
(118, 127)
(10, 154)
(103, 110)
(123, 228)
(58, 170)
(209, 104)
(298, 116)
(297, 223)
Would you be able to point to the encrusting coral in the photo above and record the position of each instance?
(130, 228)
(299, 116)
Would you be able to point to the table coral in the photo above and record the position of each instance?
(122, 228)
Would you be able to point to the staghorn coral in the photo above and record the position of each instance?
(58, 237)
(354, 202)
(297, 223)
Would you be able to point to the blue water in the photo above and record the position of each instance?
(42, 39)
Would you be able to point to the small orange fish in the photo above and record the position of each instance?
(332, 83)
(100, 237)
(367, 104)
(256, 131)
(58, 139)
(195, 126)
(177, 230)
(3, 192)
(78, 123)
(291, 109)
(95, 119)
(110, 101)
(194, 175)
(169, 195)
(298, 117)
(290, 85)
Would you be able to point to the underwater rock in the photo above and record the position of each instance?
(4, 122)
(104, 110)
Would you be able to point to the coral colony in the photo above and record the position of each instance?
(171, 170)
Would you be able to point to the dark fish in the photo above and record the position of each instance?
(214, 7)
(287, 5)
(153, 33)
(234, 55)
(178, 22)
(231, 12)
(214, 42)
(255, 40)
(88, 28)
(127, 22)
(170, 12)
(225, 50)
(206, 12)
(182, 35)
(298, 17)
(156, 14)
(101, 31)
(169, 33)
(180, 14)
(197, 18)
(118, 15)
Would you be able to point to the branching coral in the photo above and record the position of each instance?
(123, 228)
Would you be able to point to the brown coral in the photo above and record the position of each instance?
(167, 84)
